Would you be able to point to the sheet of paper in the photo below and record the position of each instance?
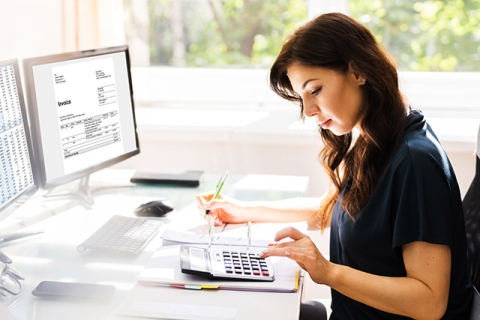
(185, 311)
(189, 226)
(172, 236)
(5, 314)
(88, 112)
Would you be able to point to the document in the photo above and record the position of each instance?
(189, 227)
(87, 109)
(5, 314)
(155, 303)
(170, 236)
(186, 309)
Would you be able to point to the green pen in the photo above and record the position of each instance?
(219, 187)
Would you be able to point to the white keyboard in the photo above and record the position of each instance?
(122, 234)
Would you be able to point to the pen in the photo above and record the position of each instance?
(249, 234)
(220, 184)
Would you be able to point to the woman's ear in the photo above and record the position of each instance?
(359, 78)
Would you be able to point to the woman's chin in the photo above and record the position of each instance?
(338, 132)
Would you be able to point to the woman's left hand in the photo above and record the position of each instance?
(302, 250)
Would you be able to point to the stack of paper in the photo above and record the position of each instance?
(189, 228)
(171, 236)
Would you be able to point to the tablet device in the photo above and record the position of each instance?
(73, 290)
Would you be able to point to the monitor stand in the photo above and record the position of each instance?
(83, 192)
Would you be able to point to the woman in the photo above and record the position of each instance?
(397, 245)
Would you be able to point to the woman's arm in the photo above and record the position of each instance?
(422, 294)
(229, 210)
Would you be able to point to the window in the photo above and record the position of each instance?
(423, 35)
(213, 33)
(216, 53)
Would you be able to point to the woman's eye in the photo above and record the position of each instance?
(316, 91)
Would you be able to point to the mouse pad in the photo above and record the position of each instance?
(183, 178)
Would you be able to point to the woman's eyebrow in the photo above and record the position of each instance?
(306, 82)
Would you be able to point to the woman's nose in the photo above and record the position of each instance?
(310, 109)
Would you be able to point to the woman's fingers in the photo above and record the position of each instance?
(289, 232)
(284, 249)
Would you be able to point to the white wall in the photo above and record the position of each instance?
(30, 28)
(272, 145)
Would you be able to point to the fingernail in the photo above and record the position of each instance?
(287, 253)
(263, 252)
(206, 205)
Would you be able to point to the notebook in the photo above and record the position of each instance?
(164, 269)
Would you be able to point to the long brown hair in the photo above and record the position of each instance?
(334, 41)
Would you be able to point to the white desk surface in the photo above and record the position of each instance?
(53, 256)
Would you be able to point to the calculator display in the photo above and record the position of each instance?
(197, 259)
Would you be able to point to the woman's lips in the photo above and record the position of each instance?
(325, 124)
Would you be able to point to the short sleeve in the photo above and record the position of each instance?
(424, 203)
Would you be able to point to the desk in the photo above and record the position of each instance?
(53, 255)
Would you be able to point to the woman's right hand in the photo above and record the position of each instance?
(222, 209)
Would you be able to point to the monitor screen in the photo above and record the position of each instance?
(16, 175)
(82, 112)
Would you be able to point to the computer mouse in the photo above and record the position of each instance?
(157, 208)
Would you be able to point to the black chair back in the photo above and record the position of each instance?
(471, 206)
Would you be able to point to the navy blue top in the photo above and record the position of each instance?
(417, 199)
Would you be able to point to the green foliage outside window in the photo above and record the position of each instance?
(421, 35)
(244, 33)
(425, 35)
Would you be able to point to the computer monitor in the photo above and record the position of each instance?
(82, 114)
(17, 182)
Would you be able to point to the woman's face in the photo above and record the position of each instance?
(334, 99)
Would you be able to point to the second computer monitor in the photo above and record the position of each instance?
(16, 176)
(82, 112)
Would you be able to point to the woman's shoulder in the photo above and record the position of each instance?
(420, 146)
(419, 139)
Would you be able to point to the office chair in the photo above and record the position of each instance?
(471, 207)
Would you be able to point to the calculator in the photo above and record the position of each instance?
(225, 263)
